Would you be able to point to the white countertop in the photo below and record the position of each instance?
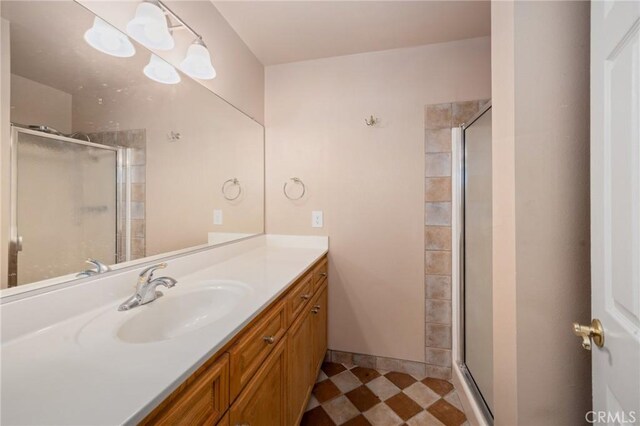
(77, 371)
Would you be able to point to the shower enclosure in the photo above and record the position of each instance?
(67, 182)
(475, 350)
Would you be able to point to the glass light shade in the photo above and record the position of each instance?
(197, 63)
(105, 38)
(149, 27)
(161, 71)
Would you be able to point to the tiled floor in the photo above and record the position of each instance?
(354, 396)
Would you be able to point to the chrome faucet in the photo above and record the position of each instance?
(146, 288)
(99, 268)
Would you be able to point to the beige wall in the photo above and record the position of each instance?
(369, 181)
(240, 77)
(505, 389)
(52, 108)
(5, 135)
(541, 202)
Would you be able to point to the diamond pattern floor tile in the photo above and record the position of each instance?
(345, 395)
(365, 374)
(401, 380)
(403, 406)
(340, 409)
(383, 388)
(363, 398)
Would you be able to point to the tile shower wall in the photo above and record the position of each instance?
(136, 141)
(439, 120)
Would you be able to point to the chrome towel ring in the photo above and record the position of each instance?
(227, 185)
(296, 181)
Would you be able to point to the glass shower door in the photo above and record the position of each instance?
(68, 183)
(477, 256)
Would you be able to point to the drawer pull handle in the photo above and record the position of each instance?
(305, 296)
(315, 309)
(269, 339)
(323, 274)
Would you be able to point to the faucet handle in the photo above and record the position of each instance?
(100, 267)
(151, 269)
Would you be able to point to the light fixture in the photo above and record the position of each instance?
(197, 63)
(107, 39)
(149, 27)
(161, 71)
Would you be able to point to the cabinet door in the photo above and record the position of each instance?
(300, 362)
(224, 421)
(201, 399)
(262, 402)
(319, 319)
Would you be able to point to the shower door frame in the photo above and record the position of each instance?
(460, 355)
(14, 241)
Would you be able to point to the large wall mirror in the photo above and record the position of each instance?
(109, 162)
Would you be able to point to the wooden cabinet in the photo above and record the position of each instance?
(254, 346)
(262, 402)
(319, 316)
(224, 421)
(265, 374)
(201, 400)
(300, 359)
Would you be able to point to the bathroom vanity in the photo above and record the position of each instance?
(238, 340)
(265, 374)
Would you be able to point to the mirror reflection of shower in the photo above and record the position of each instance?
(46, 129)
(82, 187)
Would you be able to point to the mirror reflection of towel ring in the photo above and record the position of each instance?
(227, 184)
(297, 181)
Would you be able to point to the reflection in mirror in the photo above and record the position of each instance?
(115, 155)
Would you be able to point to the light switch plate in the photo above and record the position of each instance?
(316, 219)
(217, 217)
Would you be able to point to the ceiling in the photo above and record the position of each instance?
(288, 31)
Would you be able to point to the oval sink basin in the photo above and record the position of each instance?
(174, 315)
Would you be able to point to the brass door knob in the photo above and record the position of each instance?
(588, 333)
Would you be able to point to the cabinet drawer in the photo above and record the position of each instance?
(320, 273)
(203, 399)
(299, 297)
(253, 347)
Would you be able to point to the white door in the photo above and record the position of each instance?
(615, 208)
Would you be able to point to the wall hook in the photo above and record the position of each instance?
(372, 121)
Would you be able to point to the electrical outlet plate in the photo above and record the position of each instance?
(317, 219)
(217, 217)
